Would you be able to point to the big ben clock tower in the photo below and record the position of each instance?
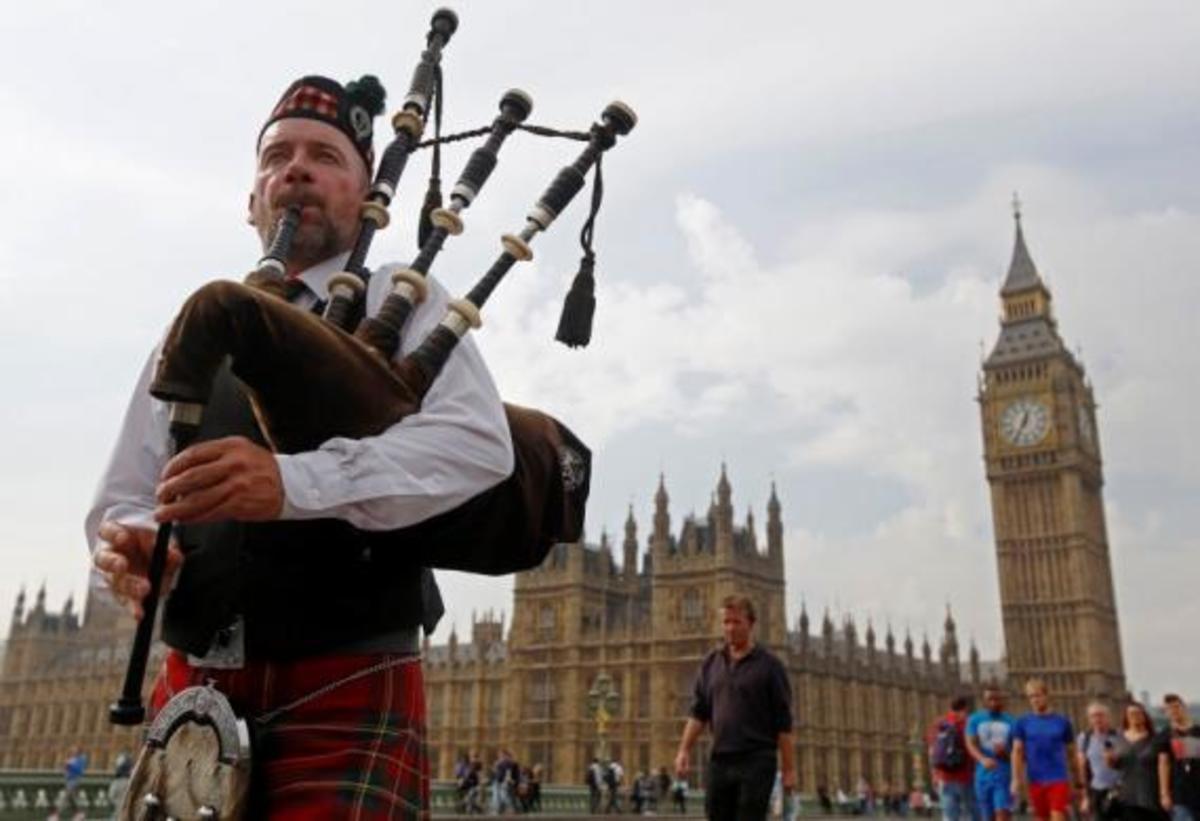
(1042, 453)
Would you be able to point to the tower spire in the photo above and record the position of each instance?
(722, 515)
(724, 499)
(19, 608)
(1028, 330)
(774, 527)
(629, 567)
(1022, 273)
(662, 517)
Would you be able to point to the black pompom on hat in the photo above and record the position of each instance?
(350, 109)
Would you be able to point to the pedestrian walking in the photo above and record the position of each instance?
(1044, 756)
(742, 693)
(594, 778)
(120, 782)
(1179, 762)
(614, 775)
(73, 770)
(1094, 745)
(824, 800)
(679, 789)
(989, 737)
(1135, 757)
(662, 789)
(952, 765)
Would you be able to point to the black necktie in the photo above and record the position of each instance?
(294, 287)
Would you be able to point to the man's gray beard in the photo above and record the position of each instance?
(311, 244)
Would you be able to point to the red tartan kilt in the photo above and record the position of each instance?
(355, 752)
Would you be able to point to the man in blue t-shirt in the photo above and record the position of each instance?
(989, 741)
(1044, 754)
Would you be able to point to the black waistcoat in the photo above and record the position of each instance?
(301, 587)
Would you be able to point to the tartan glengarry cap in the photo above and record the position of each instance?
(350, 109)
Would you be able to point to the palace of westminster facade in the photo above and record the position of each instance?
(862, 703)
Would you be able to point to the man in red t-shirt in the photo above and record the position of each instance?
(952, 765)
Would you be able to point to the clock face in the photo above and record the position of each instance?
(1025, 422)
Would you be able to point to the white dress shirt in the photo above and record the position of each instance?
(454, 448)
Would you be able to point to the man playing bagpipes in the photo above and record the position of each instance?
(311, 634)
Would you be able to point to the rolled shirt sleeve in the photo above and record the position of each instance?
(455, 447)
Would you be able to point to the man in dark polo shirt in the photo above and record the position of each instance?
(742, 693)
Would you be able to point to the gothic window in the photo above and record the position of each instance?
(494, 705)
(643, 697)
(547, 623)
(692, 608)
(541, 754)
(466, 699)
(683, 692)
(592, 620)
(542, 695)
(435, 707)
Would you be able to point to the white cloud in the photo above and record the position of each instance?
(802, 239)
(879, 379)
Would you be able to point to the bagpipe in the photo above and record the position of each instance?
(284, 356)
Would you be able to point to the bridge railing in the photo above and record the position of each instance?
(32, 794)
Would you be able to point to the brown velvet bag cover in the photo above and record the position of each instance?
(309, 381)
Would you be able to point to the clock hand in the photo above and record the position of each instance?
(1024, 421)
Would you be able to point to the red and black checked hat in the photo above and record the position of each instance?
(351, 109)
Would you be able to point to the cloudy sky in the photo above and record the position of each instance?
(799, 258)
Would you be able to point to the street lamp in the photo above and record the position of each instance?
(602, 703)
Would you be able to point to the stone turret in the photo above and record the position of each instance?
(18, 608)
(949, 649)
(487, 630)
(722, 513)
(661, 537)
(630, 549)
(850, 633)
(606, 553)
(774, 528)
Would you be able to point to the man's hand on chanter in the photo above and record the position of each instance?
(123, 559)
(230, 478)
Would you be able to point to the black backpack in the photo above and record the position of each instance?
(949, 749)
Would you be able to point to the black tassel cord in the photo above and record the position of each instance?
(579, 307)
(575, 324)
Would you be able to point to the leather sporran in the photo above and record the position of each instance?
(195, 763)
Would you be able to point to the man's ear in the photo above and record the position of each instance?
(250, 209)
